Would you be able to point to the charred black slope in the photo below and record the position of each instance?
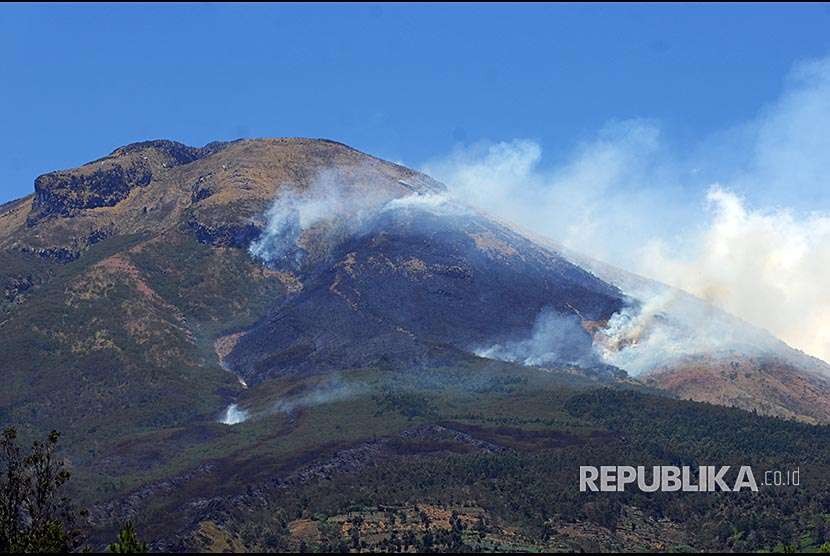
(412, 288)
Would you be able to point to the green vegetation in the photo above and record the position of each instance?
(379, 457)
(164, 444)
(107, 353)
(34, 514)
(128, 542)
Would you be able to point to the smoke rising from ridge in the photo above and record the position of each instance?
(329, 391)
(741, 220)
(333, 210)
(233, 415)
(332, 390)
(670, 326)
(327, 204)
(555, 339)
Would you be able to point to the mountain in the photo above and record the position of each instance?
(124, 275)
(285, 329)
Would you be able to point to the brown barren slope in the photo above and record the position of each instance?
(767, 385)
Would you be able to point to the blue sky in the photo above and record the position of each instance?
(406, 82)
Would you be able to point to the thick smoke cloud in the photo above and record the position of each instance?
(670, 326)
(740, 219)
(771, 267)
(555, 339)
(583, 202)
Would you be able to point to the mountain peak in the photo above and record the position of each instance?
(219, 191)
(178, 153)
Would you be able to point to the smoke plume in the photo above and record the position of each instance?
(233, 415)
(555, 339)
(335, 208)
(332, 390)
(331, 210)
(740, 219)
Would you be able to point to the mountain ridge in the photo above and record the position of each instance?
(220, 193)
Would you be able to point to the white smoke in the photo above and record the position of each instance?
(332, 390)
(440, 204)
(598, 192)
(334, 210)
(771, 267)
(555, 339)
(233, 415)
(741, 220)
(670, 326)
(328, 203)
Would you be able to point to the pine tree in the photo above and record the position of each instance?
(127, 542)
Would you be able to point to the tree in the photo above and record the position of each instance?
(127, 542)
(34, 517)
(354, 533)
(819, 530)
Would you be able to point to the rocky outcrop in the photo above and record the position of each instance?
(14, 288)
(200, 192)
(58, 254)
(64, 193)
(176, 153)
(108, 181)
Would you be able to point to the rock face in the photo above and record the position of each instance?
(15, 287)
(219, 192)
(174, 153)
(108, 181)
(61, 194)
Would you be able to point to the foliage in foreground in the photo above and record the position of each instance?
(34, 515)
(127, 542)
